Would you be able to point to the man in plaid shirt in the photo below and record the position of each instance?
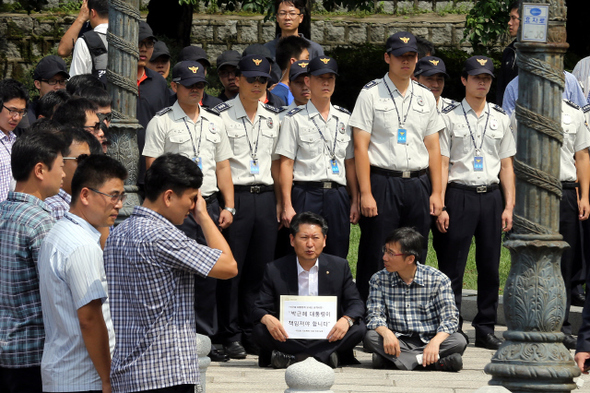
(412, 318)
(37, 167)
(150, 266)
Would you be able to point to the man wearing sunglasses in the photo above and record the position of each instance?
(81, 113)
(79, 331)
(186, 128)
(253, 130)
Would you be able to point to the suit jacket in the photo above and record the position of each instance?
(334, 279)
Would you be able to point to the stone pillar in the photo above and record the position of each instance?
(122, 38)
(203, 349)
(533, 358)
(309, 376)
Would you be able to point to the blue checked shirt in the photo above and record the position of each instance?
(426, 306)
(150, 266)
(59, 204)
(6, 142)
(24, 222)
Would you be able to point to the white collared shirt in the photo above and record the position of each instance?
(81, 58)
(307, 280)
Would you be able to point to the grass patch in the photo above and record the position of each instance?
(470, 278)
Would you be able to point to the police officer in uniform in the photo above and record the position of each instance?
(431, 72)
(191, 130)
(317, 159)
(395, 125)
(299, 89)
(477, 147)
(253, 130)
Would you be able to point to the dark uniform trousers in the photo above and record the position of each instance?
(401, 202)
(478, 215)
(331, 203)
(205, 287)
(569, 228)
(252, 237)
(319, 349)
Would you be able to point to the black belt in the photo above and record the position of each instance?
(211, 198)
(317, 184)
(254, 189)
(478, 189)
(569, 185)
(402, 174)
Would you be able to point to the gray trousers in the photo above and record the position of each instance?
(412, 346)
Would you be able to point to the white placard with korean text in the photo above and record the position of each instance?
(308, 317)
(534, 21)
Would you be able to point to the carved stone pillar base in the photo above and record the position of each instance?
(533, 358)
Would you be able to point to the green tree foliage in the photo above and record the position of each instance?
(485, 23)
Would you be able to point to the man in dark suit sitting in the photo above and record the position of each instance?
(308, 273)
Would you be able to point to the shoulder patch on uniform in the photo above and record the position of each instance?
(421, 85)
(211, 110)
(272, 108)
(222, 107)
(586, 108)
(294, 111)
(572, 104)
(499, 109)
(374, 82)
(163, 111)
(341, 109)
(450, 107)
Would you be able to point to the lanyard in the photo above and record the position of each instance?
(254, 150)
(197, 149)
(485, 128)
(6, 147)
(399, 120)
(333, 151)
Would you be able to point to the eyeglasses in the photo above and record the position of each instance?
(94, 128)
(78, 159)
(391, 253)
(148, 44)
(115, 198)
(15, 112)
(283, 14)
(198, 86)
(261, 79)
(105, 116)
(53, 82)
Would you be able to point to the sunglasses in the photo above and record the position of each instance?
(105, 116)
(260, 79)
(94, 128)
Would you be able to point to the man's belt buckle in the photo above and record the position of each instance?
(327, 184)
(255, 189)
(406, 174)
(481, 189)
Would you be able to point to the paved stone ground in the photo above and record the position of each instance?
(245, 376)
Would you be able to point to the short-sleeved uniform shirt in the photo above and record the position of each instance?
(72, 267)
(311, 141)
(416, 115)
(576, 137)
(251, 140)
(151, 266)
(205, 142)
(488, 138)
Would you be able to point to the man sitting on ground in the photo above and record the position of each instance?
(411, 313)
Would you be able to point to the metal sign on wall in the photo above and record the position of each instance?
(534, 20)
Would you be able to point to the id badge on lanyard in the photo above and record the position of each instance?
(254, 167)
(478, 164)
(402, 136)
(335, 169)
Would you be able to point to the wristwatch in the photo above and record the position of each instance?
(350, 321)
(231, 210)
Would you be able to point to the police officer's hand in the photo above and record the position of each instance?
(368, 205)
(442, 222)
(507, 220)
(339, 330)
(287, 215)
(225, 219)
(580, 360)
(199, 212)
(436, 204)
(584, 209)
(355, 213)
(275, 328)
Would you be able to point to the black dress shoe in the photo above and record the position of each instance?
(488, 341)
(578, 299)
(251, 347)
(281, 360)
(216, 356)
(570, 341)
(235, 350)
